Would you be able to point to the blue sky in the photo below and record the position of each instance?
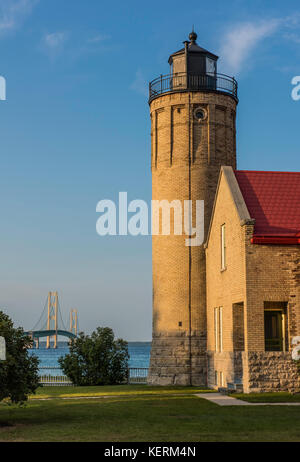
(75, 129)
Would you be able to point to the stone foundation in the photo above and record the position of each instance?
(170, 362)
(270, 371)
(257, 371)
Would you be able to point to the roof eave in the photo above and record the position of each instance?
(275, 240)
(237, 198)
(181, 52)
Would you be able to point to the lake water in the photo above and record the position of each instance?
(139, 353)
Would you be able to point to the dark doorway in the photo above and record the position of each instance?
(274, 330)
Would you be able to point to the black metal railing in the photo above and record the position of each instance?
(188, 82)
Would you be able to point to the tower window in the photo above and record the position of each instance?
(200, 114)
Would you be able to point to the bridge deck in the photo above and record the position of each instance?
(50, 333)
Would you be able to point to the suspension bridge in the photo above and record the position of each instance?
(51, 325)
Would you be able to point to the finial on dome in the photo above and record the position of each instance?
(193, 36)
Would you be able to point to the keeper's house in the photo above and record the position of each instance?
(253, 281)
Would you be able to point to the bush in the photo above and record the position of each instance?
(19, 373)
(98, 359)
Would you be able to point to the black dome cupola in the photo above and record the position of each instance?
(192, 59)
(193, 69)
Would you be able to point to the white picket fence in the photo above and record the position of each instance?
(53, 379)
(137, 375)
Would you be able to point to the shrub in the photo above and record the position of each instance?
(19, 372)
(98, 359)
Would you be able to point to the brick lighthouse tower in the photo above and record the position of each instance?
(193, 112)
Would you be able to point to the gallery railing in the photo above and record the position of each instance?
(189, 82)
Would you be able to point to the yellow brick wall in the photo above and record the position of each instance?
(254, 275)
(269, 278)
(224, 288)
(186, 160)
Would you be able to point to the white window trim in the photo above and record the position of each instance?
(223, 247)
(218, 315)
(221, 379)
(216, 329)
(221, 329)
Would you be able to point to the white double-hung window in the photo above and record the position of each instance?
(219, 329)
(223, 247)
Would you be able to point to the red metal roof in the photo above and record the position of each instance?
(273, 200)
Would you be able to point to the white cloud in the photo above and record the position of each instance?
(98, 38)
(140, 84)
(55, 40)
(242, 39)
(13, 13)
(52, 44)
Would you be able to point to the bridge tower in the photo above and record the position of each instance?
(52, 316)
(74, 321)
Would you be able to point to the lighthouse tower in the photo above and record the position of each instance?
(193, 112)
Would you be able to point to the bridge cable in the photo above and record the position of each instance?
(41, 317)
(61, 319)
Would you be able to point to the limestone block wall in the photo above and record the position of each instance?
(270, 371)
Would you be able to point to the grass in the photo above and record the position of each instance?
(278, 397)
(117, 390)
(135, 415)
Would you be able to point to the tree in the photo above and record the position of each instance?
(19, 372)
(98, 359)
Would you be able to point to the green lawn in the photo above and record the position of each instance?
(279, 397)
(117, 390)
(134, 415)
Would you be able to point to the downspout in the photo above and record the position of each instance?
(190, 248)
